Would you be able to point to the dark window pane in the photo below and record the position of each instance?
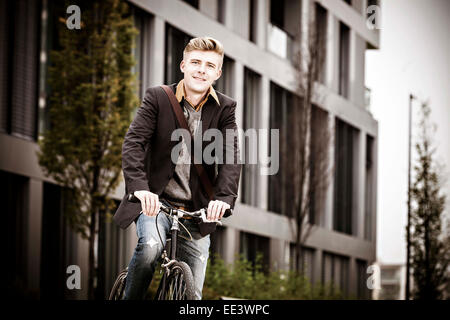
(284, 116)
(13, 195)
(344, 59)
(193, 3)
(224, 83)
(250, 172)
(176, 41)
(251, 245)
(277, 13)
(344, 177)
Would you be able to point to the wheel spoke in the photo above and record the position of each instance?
(176, 286)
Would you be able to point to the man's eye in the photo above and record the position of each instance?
(194, 62)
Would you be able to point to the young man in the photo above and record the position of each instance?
(151, 175)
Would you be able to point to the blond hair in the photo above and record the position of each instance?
(205, 44)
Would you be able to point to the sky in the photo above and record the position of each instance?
(414, 57)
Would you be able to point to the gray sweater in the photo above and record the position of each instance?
(178, 186)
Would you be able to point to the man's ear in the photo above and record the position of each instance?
(182, 66)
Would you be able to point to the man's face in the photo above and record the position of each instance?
(201, 69)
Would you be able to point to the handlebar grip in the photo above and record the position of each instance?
(228, 213)
(132, 198)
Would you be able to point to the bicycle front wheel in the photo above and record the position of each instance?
(178, 285)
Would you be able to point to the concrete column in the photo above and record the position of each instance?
(157, 61)
(356, 69)
(277, 254)
(317, 266)
(34, 227)
(361, 187)
(263, 145)
(238, 92)
(327, 219)
(231, 244)
(332, 59)
(262, 17)
(237, 17)
(147, 73)
(358, 5)
(209, 8)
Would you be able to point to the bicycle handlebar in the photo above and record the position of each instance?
(200, 214)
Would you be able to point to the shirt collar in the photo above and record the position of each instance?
(180, 94)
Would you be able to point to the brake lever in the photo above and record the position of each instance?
(203, 217)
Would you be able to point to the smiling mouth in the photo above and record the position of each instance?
(199, 79)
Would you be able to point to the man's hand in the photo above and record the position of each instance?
(149, 202)
(216, 209)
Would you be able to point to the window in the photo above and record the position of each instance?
(53, 245)
(307, 261)
(251, 245)
(321, 39)
(319, 163)
(369, 190)
(345, 177)
(224, 84)
(344, 60)
(142, 54)
(252, 20)
(176, 41)
(284, 115)
(335, 272)
(250, 172)
(13, 195)
(193, 3)
(4, 104)
(284, 27)
(277, 9)
(221, 11)
(362, 289)
(19, 42)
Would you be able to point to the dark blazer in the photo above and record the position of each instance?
(146, 153)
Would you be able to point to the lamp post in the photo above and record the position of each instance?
(408, 227)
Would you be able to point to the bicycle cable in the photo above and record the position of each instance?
(159, 235)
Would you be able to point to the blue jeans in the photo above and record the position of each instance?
(149, 248)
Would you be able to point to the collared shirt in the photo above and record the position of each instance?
(181, 93)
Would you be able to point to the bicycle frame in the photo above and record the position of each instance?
(173, 247)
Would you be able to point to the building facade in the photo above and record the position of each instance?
(260, 38)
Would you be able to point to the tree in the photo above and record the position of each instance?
(92, 96)
(430, 245)
(310, 167)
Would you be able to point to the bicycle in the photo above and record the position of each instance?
(177, 282)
